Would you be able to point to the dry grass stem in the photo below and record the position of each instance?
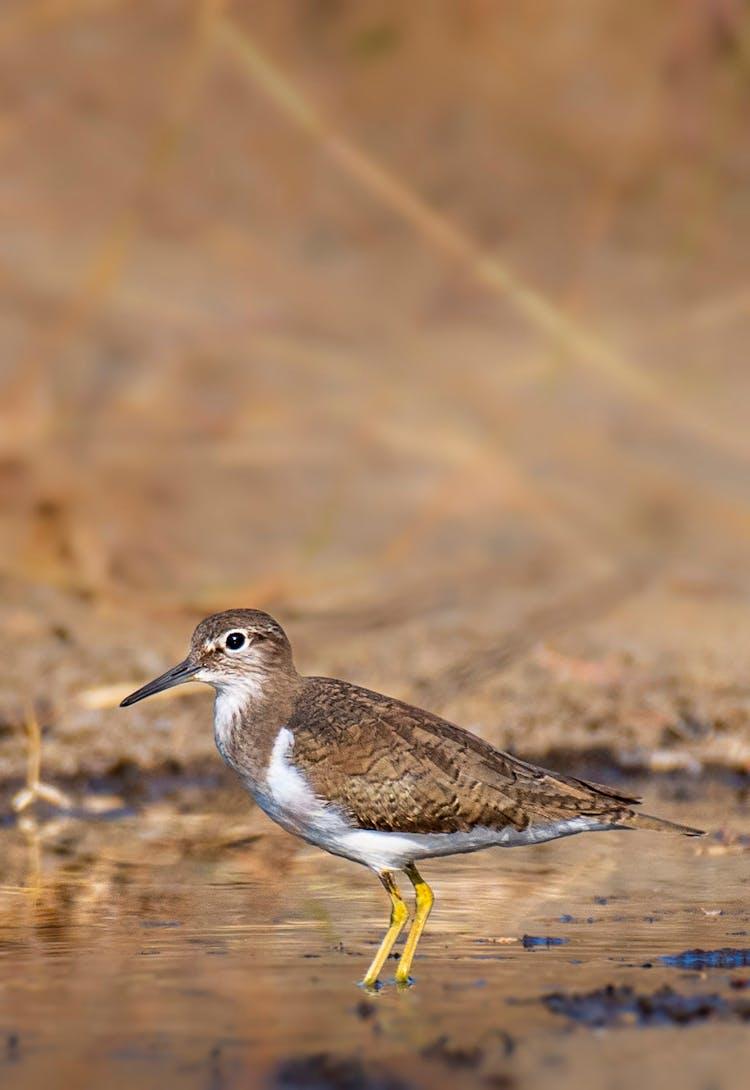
(584, 346)
(35, 790)
(109, 696)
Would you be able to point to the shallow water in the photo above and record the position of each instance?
(190, 943)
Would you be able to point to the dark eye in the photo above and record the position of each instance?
(235, 640)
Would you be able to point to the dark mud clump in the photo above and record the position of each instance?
(456, 1056)
(726, 958)
(324, 1071)
(623, 1006)
(498, 1046)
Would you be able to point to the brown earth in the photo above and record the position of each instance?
(453, 383)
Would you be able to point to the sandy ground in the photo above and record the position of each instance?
(632, 686)
(452, 379)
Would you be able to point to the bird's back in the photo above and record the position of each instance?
(393, 767)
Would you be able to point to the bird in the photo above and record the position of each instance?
(373, 779)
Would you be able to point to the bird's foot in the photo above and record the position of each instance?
(403, 983)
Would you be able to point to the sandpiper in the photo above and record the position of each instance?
(371, 778)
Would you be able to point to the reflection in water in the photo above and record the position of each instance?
(198, 944)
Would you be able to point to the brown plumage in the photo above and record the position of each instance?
(395, 767)
(371, 778)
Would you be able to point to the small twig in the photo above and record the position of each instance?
(35, 789)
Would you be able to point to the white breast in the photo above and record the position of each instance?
(288, 798)
(287, 787)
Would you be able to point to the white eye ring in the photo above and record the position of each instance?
(235, 641)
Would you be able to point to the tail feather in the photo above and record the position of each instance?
(648, 821)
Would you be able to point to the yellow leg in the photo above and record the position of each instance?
(399, 916)
(424, 904)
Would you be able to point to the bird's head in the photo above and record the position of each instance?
(238, 649)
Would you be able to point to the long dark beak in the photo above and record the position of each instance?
(183, 671)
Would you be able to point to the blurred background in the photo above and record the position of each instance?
(421, 326)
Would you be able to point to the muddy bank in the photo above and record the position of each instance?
(613, 1006)
(658, 682)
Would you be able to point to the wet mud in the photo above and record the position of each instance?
(613, 1006)
(726, 958)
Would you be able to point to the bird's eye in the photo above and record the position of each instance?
(235, 641)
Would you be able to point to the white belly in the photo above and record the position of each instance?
(392, 851)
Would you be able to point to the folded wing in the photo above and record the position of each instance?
(393, 767)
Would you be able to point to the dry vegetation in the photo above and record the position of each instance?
(423, 327)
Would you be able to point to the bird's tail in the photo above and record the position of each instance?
(637, 820)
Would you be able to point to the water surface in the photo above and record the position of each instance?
(190, 943)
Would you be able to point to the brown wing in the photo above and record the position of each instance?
(392, 766)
